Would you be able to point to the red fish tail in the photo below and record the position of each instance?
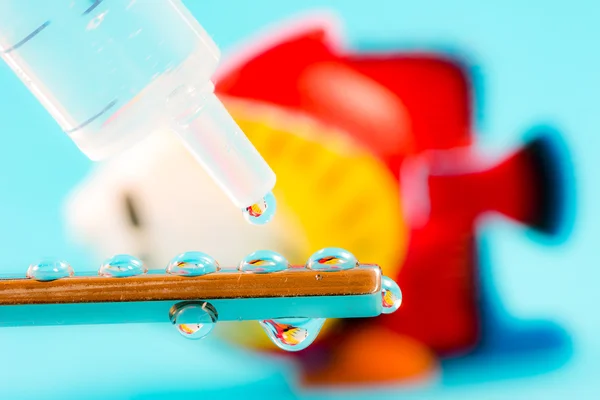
(530, 186)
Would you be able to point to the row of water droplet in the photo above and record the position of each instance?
(195, 263)
(291, 334)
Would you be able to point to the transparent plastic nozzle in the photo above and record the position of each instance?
(112, 72)
(210, 133)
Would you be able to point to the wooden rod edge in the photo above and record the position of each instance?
(294, 282)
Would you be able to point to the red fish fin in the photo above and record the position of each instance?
(552, 175)
(302, 69)
(396, 104)
(435, 90)
(439, 278)
(366, 110)
(526, 187)
(270, 71)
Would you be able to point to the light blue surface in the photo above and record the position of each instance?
(539, 62)
(359, 306)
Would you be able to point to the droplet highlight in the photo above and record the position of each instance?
(194, 320)
(96, 21)
(293, 334)
(192, 263)
(391, 295)
(332, 259)
(49, 270)
(261, 212)
(263, 262)
(121, 266)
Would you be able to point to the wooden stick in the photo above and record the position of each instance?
(294, 282)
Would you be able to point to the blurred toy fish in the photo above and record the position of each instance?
(414, 113)
(374, 153)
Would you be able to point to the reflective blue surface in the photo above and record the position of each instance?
(367, 305)
(532, 70)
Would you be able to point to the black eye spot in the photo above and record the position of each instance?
(132, 211)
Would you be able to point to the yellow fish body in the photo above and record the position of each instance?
(330, 191)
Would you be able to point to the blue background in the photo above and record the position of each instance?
(539, 62)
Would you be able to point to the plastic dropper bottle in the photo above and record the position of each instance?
(112, 72)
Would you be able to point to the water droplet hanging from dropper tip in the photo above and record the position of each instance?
(261, 212)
